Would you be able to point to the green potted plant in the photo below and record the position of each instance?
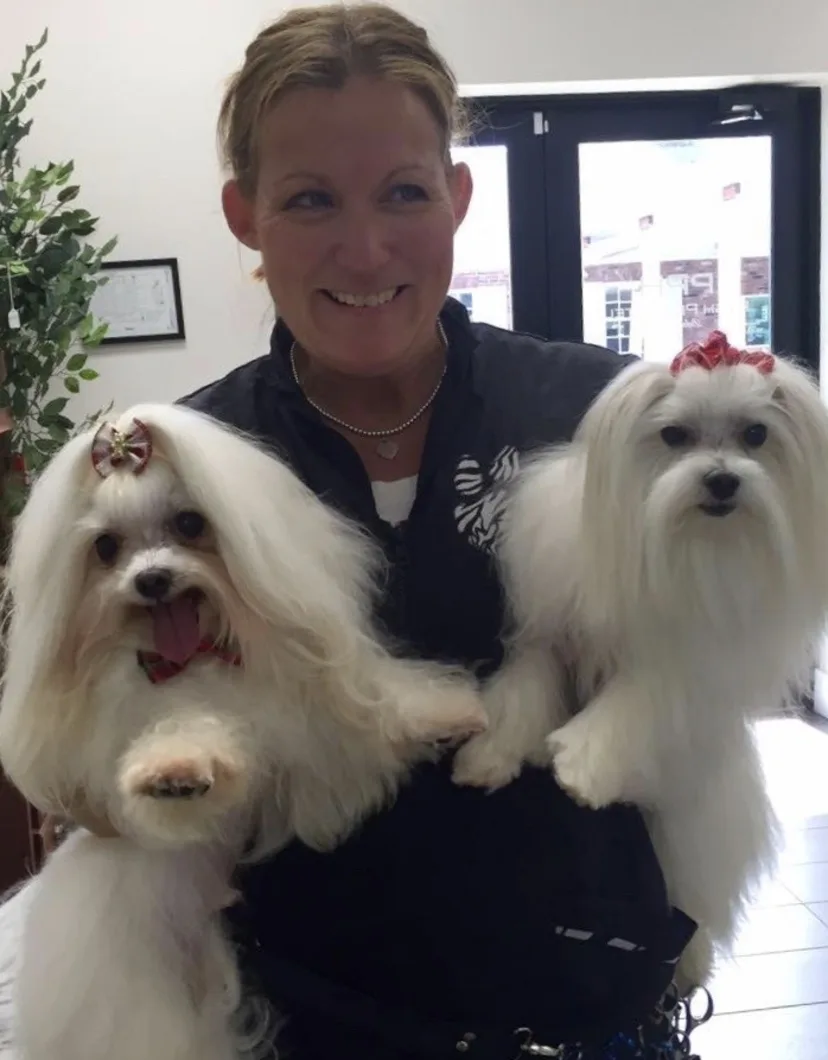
(48, 275)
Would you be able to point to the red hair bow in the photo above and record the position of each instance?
(717, 352)
(113, 449)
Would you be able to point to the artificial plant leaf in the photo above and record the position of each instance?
(53, 408)
(55, 273)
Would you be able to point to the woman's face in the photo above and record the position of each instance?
(354, 214)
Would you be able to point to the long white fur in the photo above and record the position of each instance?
(682, 628)
(124, 953)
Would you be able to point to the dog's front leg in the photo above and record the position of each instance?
(422, 703)
(524, 700)
(182, 779)
(602, 755)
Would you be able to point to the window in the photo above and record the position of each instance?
(617, 318)
(466, 298)
(757, 321)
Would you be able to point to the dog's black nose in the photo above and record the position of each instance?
(154, 583)
(721, 485)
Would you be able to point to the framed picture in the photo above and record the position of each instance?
(141, 301)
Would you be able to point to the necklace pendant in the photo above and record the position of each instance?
(387, 448)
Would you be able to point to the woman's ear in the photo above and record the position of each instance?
(239, 214)
(461, 187)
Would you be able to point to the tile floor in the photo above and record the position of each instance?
(771, 1000)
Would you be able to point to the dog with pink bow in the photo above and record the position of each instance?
(191, 657)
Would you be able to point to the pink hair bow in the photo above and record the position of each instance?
(113, 449)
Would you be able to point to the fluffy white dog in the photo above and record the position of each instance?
(672, 559)
(191, 653)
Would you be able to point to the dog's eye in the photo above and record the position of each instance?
(107, 547)
(190, 524)
(755, 435)
(675, 436)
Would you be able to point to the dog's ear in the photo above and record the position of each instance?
(615, 484)
(792, 378)
(44, 578)
(611, 429)
(800, 430)
(796, 393)
(616, 414)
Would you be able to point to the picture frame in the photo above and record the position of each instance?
(141, 302)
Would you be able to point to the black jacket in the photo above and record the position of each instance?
(454, 904)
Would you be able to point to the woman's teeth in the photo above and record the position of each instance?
(363, 300)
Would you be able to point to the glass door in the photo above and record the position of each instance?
(482, 278)
(500, 249)
(676, 242)
(644, 221)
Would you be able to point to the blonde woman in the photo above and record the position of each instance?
(455, 922)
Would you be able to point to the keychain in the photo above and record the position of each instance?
(14, 315)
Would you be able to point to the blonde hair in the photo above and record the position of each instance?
(322, 47)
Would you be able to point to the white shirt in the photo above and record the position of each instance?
(394, 500)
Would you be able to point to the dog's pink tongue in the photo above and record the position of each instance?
(175, 629)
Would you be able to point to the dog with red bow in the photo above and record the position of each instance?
(191, 656)
(670, 568)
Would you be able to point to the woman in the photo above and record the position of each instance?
(455, 917)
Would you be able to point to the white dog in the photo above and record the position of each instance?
(191, 653)
(674, 558)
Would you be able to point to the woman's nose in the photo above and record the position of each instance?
(364, 242)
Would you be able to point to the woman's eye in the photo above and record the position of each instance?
(309, 200)
(408, 193)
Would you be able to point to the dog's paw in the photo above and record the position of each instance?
(447, 719)
(175, 790)
(480, 764)
(578, 769)
(186, 777)
(465, 717)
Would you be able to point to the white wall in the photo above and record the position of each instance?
(133, 91)
(508, 42)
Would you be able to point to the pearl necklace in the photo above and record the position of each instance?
(386, 446)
